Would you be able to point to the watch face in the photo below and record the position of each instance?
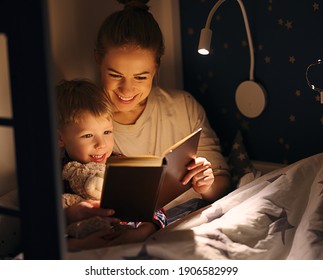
(314, 75)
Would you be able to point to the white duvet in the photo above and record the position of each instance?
(277, 216)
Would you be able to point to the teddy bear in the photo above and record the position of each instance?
(86, 180)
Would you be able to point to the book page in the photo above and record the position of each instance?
(180, 142)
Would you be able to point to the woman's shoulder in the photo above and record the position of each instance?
(173, 94)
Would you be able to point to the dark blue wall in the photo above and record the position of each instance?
(287, 37)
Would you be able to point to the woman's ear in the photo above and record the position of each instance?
(60, 139)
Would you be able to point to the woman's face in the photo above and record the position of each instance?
(127, 75)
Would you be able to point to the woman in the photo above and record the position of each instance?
(146, 118)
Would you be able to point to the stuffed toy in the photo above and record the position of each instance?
(86, 180)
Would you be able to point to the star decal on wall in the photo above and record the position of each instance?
(292, 118)
(242, 156)
(203, 88)
(244, 124)
(190, 31)
(279, 224)
(286, 146)
(289, 24)
(298, 93)
(244, 43)
(236, 146)
(270, 8)
(210, 74)
(292, 59)
(316, 6)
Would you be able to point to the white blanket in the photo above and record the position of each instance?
(277, 216)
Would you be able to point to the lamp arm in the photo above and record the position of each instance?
(252, 54)
(245, 18)
(211, 13)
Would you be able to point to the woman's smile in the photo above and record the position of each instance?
(126, 99)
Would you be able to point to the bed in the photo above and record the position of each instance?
(276, 216)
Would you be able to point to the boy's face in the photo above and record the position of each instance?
(90, 140)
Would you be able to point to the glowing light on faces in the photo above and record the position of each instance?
(127, 76)
(90, 140)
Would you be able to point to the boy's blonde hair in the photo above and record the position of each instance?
(78, 96)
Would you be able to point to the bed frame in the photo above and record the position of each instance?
(39, 184)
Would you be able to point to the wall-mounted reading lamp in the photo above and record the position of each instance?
(250, 96)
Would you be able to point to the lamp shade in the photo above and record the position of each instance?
(205, 41)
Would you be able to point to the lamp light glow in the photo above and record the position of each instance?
(205, 41)
(206, 32)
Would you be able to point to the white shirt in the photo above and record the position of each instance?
(168, 117)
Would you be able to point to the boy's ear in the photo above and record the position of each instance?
(60, 139)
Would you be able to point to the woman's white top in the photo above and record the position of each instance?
(168, 117)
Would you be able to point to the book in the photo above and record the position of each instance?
(136, 186)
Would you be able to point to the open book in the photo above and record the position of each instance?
(135, 187)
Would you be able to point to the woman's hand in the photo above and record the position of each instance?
(204, 182)
(200, 171)
(87, 209)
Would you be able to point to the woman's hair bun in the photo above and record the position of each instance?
(135, 4)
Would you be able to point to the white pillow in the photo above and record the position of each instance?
(248, 177)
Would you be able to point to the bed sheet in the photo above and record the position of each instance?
(277, 216)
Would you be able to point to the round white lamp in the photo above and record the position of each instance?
(250, 99)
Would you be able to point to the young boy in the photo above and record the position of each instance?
(85, 134)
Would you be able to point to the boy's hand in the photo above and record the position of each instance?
(87, 209)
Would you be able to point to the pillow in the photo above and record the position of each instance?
(241, 167)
